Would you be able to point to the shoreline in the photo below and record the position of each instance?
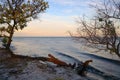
(12, 68)
(29, 68)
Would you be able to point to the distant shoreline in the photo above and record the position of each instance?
(41, 37)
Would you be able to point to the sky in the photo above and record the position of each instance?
(58, 19)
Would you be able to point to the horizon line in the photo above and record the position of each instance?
(42, 36)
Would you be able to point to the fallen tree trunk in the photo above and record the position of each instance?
(62, 63)
(56, 61)
(84, 68)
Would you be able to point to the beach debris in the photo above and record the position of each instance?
(72, 65)
(56, 61)
(81, 69)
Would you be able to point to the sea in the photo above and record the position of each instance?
(70, 51)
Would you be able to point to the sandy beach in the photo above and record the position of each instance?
(24, 69)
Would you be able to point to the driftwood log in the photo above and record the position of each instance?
(62, 63)
(56, 61)
(84, 68)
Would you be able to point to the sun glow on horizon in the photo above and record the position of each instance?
(57, 20)
(47, 27)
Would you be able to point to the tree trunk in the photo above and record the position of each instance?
(117, 53)
(10, 38)
(118, 50)
(56, 61)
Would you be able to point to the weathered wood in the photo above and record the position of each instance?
(56, 61)
(84, 67)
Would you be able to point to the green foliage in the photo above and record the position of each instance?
(100, 19)
(2, 29)
(4, 41)
(15, 14)
(20, 11)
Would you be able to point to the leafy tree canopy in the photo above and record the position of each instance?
(14, 14)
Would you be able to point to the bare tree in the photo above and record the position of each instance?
(103, 28)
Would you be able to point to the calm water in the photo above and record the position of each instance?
(67, 50)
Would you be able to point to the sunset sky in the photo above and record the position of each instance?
(58, 19)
